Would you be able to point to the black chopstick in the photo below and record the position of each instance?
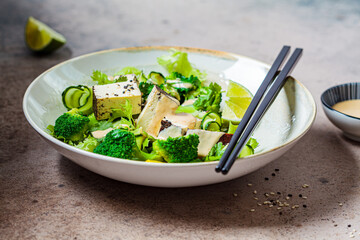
(254, 103)
(257, 115)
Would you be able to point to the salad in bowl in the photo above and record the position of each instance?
(162, 116)
(175, 115)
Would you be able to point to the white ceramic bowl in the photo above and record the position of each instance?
(350, 125)
(286, 121)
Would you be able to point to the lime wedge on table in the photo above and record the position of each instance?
(41, 38)
(239, 101)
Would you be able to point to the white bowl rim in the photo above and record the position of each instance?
(325, 104)
(134, 162)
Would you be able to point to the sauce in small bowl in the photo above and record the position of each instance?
(341, 105)
(349, 107)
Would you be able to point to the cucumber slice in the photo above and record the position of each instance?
(157, 78)
(212, 126)
(210, 117)
(87, 107)
(246, 151)
(71, 96)
(142, 77)
(79, 97)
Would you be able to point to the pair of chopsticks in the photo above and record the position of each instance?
(258, 106)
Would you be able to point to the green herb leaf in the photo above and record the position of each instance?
(100, 77)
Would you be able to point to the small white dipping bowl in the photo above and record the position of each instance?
(350, 125)
(285, 122)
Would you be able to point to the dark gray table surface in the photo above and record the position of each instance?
(46, 196)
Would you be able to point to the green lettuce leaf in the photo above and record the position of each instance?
(125, 111)
(219, 148)
(129, 70)
(209, 100)
(102, 79)
(177, 61)
(89, 144)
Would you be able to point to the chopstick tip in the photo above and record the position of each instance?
(224, 171)
(217, 169)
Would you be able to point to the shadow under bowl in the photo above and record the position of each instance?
(350, 125)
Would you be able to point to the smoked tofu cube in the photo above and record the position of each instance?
(207, 140)
(157, 106)
(183, 120)
(112, 96)
(172, 131)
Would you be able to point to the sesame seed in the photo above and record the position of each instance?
(255, 192)
(304, 206)
(252, 210)
(305, 186)
(290, 195)
(276, 169)
(256, 198)
(249, 184)
(279, 208)
(123, 92)
(278, 193)
(349, 225)
(273, 174)
(266, 179)
(304, 197)
(272, 193)
(259, 204)
(300, 195)
(266, 194)
(340, 204)
(271, 205)
(235, 194)
(116, 95)
(287, 198)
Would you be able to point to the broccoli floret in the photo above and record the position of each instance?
(122, 144)
(71, 126)
(178, 150)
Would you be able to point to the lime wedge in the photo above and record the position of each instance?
(237, 90)
(233, 112)
(41, 38)
(239, 99)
